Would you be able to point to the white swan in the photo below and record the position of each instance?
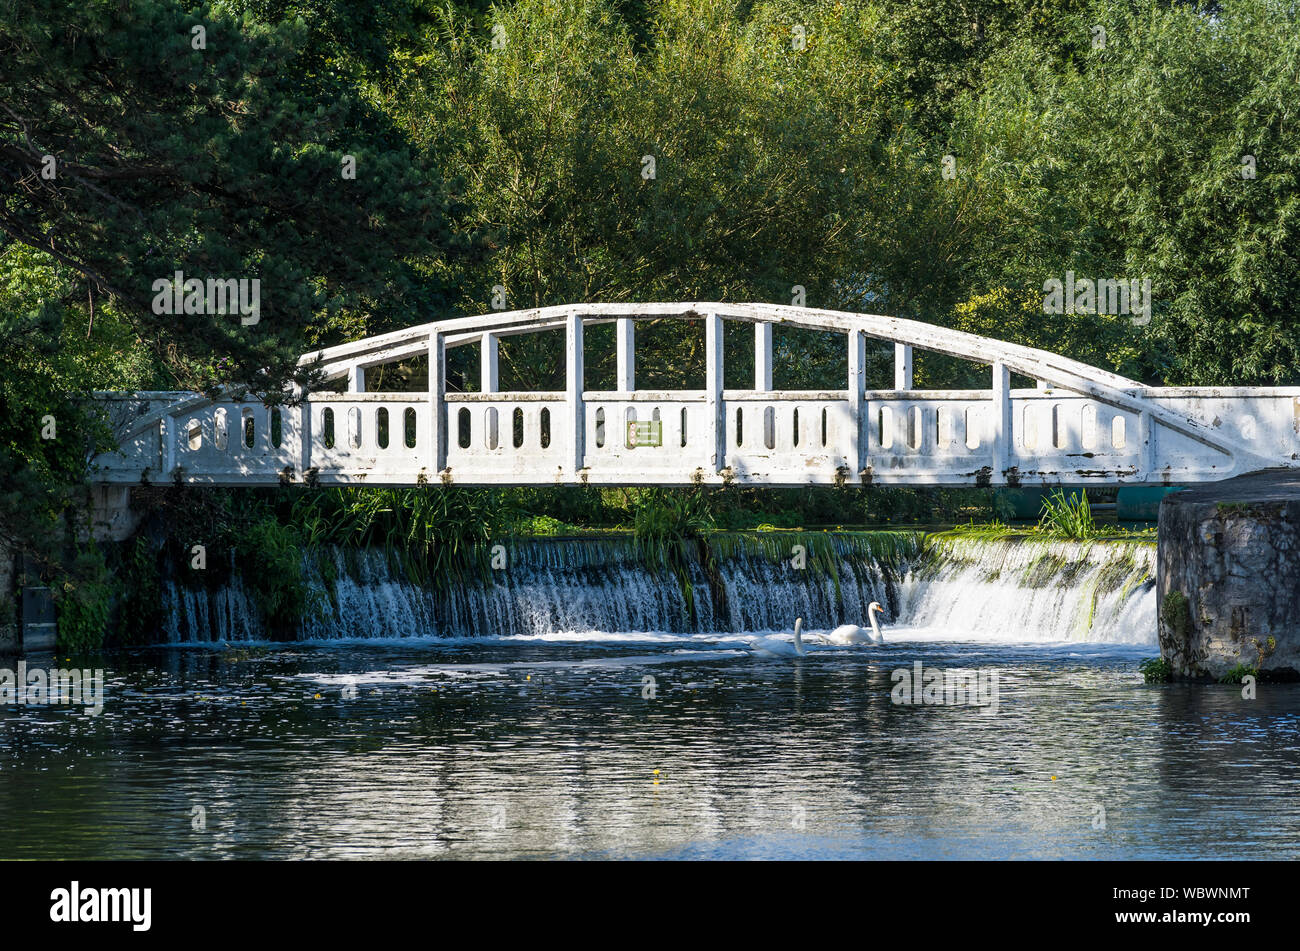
(852, 634)
(774, 645)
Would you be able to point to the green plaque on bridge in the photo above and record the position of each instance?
(649, 433)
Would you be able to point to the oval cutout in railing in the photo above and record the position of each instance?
(463, 428)
(973, 419)
(381, 427)
(327, 427)
(408, 424)
(220, 428)
(915, 427)
(1060, 431)
(629, 421)
(354, 427)
(1088, 427)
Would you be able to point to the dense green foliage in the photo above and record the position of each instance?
(435, 535)
(49, 353)
(218, 154)
(84, 595)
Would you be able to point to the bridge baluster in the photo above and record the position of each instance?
(304, 430)
(169, 429)
(488, 379)
(573, 381)
(1146, 446)
(1001, 421)
(625, 337)
(436, 454)
(763, 356)
(713, 389)
(856, 451)
(902, 366)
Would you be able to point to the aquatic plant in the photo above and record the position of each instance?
(664, 524)
(1239, 673)
(539, 526)
(982, 530)
(435, 535)
(1156, 670)
(270, 561)
(1067, 516)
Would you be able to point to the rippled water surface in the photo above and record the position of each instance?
(542, 747)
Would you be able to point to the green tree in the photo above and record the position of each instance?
(1169, 154)
(137, 140)
(52, 351)
(732, 154)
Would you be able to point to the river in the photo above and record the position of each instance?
(569, 741)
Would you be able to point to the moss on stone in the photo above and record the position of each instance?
(1176, 612)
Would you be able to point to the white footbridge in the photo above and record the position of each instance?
(1078, 426)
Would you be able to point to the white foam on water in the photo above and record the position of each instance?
(418, 674)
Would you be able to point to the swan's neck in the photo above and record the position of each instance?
(798, 635)
(875, 628)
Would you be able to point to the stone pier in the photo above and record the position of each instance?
(1228, 577)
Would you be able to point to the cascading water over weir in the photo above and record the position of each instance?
(1008, 588)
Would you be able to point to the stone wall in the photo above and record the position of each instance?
(1228, 577)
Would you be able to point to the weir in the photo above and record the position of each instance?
(1049, 591)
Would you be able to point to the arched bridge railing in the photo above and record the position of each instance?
(1077, 426)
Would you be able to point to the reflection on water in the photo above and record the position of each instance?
(536, 748)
